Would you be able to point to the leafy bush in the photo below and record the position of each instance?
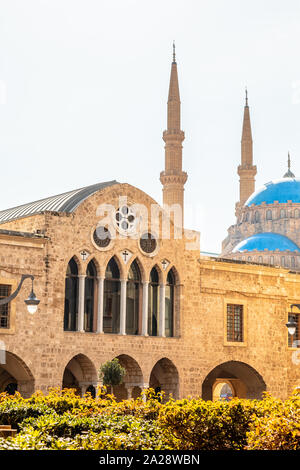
(62, 420)
(112, 373)
(277, 426)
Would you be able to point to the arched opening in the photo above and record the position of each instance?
(133, 382)
(223, 390)
(111, 308)
(164, 377)
(90, 297)
(170, 304)
(256, 216)
(153, 302)
(71, 296)
(80, 373)
(15, 376)
(244, 380)
(133, 300)
(269, 214)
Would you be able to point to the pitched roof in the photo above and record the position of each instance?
(66, 202)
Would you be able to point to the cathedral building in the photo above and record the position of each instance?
(119, 276)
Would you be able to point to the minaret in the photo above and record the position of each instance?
(173, 178)
(246, 170)
(289, 173)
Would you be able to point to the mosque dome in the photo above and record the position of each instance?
(281, 190)
(267, 240)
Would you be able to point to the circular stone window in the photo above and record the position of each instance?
(125, 219)
(148, 243)
(101, 237)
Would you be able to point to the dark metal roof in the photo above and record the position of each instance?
(66, 202)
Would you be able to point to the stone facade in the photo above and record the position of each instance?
(204, 349)
(39, 351)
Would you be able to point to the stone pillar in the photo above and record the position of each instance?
(145, 308)
(123, 307)
(162, 308)
(100, 304)
(80, 326)
(129, 392)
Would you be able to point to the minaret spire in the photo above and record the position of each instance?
(289, 173)
(246, 170)
(173, 178)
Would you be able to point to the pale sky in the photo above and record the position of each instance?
(83, 97)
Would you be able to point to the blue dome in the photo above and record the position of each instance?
(268, 240)
(282, 190)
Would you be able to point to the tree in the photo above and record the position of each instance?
(112, 373)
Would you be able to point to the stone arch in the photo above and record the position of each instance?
(119, 264)
(141, 267)
(244, 379)
(164, 377)
(96, 264)
(14, 373)
(78, 261)
(175, 273)
(80, 373)
(159, 272)
(133, 382)
(176, 300)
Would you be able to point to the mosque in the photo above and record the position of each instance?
(119, 276)
(267, 228)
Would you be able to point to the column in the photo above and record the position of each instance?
(145, 308)
(123, 307)
(100, 304)
(162, 309)
(80, 326)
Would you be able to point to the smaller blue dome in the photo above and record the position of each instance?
(282, 190)
(268, 240)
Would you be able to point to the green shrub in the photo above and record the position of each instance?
(112, 373)
(62, 420)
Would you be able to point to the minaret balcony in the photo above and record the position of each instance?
(173, 176)
(173, 135)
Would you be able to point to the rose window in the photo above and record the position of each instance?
(125, 219)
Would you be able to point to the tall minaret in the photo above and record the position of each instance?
(246, 170)
(173, 178)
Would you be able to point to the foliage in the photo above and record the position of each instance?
(277, 427)
(62, 420)
(112, 373)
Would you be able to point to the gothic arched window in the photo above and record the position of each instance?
(256, 216)
(71, 296)
(153, 304)
(296, 213)
(133, 300)
(111, 307)
(170, 297)
(260, 259)
(293, 264)
(89, 296)
(282, 213)
(269, 214)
